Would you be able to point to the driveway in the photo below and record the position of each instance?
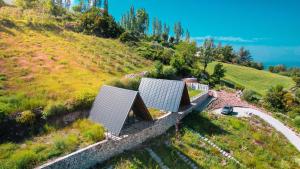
(288, 133)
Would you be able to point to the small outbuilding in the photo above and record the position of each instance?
(167, 95)
(116, 107)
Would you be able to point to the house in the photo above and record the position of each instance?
(115, 108)
(167, 95)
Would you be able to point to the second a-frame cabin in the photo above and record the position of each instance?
(115, 108)
(167, 95)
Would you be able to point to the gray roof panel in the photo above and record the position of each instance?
(162, 94)
(111, 107)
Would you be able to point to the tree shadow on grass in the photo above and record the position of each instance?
(203, 125)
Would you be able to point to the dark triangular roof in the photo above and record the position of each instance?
(162, 94)
(112, 106)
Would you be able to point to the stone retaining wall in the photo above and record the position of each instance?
(101, 151)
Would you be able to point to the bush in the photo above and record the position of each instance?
(250, 96)
(66, 144)
(131, 84)
(91, 131)
(297, 121)
(274, 98)
(169, 72)
(2, 3)
(239, 87)
(83, 101)
(227, 83)
(25, 159)
(54, 108)
(25, 4)
(294, 112)
(129, 37)
(95, 22)
(26, 117)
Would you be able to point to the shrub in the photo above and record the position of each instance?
(26, 3)
(53, 108)
(94, 21)
(91, 131)
(26, 117)
(117, 83)
(169, 72)
(131, 84)
(129, 37)
(274, 98)
(297, 121)
(239, 87)
(64, 144)
(83, 101)
(2, 3)
(250, 96)
(294, 112)
(23, 159)
(227, 83)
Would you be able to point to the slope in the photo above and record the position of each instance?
(257, 80)
(42, 62)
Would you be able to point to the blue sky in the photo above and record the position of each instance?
(269, 28)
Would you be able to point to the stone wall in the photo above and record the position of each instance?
(101, 151)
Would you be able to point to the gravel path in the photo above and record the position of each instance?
(288, 133)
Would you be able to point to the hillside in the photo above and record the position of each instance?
(42, 62)
(257, 80)
(250, 140)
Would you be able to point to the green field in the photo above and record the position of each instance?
(253, 79)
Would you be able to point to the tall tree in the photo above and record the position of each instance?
(154, 26)
(206, 53)
(166, 32)
(105, 6)
(187, 36)
(219, 72)
(142, 21)
(132, 19)
(178, 30)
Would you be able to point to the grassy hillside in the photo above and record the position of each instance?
(250, 78)
(42, 61)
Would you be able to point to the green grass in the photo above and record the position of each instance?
(53, 143)
(155, 113)
(137, 159)
(257, 80)
(44, 62)
(193, 93)
(251, 141)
